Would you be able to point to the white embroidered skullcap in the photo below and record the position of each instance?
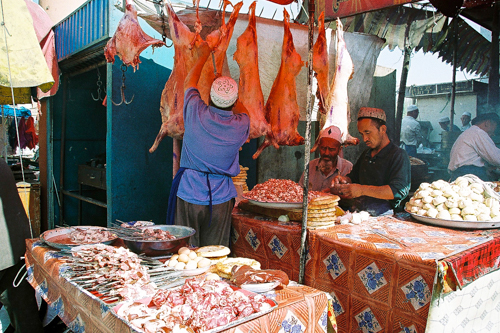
(466, 113)
(411, 108)
(224, 92)
(444, 119)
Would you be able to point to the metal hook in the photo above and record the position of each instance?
(122, 88)
(99, 84)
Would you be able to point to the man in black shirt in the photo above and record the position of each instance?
(380, 179)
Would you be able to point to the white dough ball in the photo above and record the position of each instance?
(432, 212)
(172, 262)
(456, 217)
(183, 258)
(422, 212)
(455, 211)
(470, 218)
(191, 265)
(184, 250)
(180, 265)
(444, 215)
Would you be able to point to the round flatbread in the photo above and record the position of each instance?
(322, 206)
(212, 251)
(325, 199)
(322, 211)
(224, 266)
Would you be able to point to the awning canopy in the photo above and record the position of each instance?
(22, 63)
(429, 31)
(8, 111)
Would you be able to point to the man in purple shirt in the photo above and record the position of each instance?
(322, 170)
(209, 158)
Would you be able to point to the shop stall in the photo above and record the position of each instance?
(307, 309)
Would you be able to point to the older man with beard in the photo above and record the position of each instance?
(324, 169)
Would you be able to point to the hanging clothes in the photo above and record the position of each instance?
(13, 135)
(23, 143)
(30, 133)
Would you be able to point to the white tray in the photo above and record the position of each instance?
(456, 224)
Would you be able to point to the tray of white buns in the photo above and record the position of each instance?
(466, 203)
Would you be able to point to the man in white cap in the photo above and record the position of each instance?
(474, 150)
(466, 117)
(445, 122)
(380, 179)
(411, 133)
(322, 170)
(202, 193)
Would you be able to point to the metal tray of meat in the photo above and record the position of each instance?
(456, 224)
(60, 238)
(276, 205)
(272, 303)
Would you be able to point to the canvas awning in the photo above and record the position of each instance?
(22, 63)
(430, 32)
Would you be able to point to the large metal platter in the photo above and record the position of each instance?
(59, 238)
(456, 224)
(277, 205)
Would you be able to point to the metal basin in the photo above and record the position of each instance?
(156, 248)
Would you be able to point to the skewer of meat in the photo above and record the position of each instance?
(282, 110)
(249, 89)
(337, 103)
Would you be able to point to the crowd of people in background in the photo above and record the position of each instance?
(473, 152)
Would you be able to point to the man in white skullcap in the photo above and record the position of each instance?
(445, 122)
(202, 193)
(466, 117)
(322, 170)
(411, 133)
(380, 179)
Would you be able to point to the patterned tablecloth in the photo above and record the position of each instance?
(300, 308)
(382, 274)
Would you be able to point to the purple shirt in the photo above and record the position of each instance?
(211, 144)
(318, 181)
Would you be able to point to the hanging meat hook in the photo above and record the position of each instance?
(99, 84)
(163, 25)
(122, 88)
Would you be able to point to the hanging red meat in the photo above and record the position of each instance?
(250, 92)
(129, 40)
(337, 104)
(218, 40)
(321, 64)
(282, 110)
(172, 97)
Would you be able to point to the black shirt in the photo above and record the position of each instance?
(391, 166)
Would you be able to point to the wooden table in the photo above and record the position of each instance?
(388, 274)
(299, 306)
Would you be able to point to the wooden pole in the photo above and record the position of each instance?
(454, 73)
(493, 81)
(402, 83)
(307, 148)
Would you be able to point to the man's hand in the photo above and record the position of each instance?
(347, 191)
(340, 180)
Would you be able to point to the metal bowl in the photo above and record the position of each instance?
(156, 248)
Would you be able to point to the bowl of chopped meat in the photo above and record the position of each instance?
(158, 240)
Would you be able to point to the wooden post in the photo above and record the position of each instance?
(454, 74)
(176, 156)
(493, 81)
(402, 82)
(307, 146)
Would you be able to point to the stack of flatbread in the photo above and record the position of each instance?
(322, 211)
(241, 179)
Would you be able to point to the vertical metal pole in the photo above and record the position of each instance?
(109, 144)
(454, 73)
(493, 81)
(63, 148)
(50, 165)
(307, 146)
